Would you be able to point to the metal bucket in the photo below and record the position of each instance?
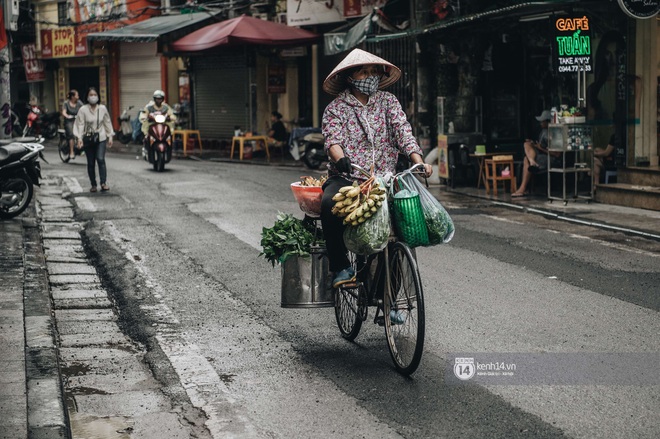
(306, 281)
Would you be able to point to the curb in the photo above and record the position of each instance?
(46, 414)
(568, 218)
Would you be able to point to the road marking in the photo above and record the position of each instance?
(615, 245)
(85, 204)
(197, 376)
(73, 185)
(504, 220)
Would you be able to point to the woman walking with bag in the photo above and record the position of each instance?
(93, 130)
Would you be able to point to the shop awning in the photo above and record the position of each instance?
(153, 29)
(518, 10)
(243, 30)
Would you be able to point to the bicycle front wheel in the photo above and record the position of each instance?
(403, 307)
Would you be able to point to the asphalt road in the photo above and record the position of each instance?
(178, 251)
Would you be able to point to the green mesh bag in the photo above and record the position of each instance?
(409, 221)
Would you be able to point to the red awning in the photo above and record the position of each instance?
(243, 30)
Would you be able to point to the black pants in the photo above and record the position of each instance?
(333, 227)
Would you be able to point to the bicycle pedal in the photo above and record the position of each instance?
(380, 321)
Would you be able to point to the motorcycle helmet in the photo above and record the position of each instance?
(159, 94)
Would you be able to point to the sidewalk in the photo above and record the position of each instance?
(31, 397)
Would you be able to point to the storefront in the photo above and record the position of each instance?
(222, 95)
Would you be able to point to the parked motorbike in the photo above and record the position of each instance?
(20, 170)
(312, 151)
(125, 133)
(158, 149)
(138, 135)
(37, 122)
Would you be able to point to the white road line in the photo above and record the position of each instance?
(85, 204)
(204, 387)
(615, 245)
(504, 220)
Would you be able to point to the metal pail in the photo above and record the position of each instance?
(306, 281)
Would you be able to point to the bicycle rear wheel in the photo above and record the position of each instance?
(403, 308)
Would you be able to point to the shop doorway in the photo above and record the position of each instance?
(81, 78)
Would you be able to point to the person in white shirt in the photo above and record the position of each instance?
(94, 131)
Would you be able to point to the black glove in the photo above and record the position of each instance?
(344, 165)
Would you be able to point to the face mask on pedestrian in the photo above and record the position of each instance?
(93, 100)
(368, 86)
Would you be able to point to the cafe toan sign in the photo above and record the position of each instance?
(63, 42)
(572, 44)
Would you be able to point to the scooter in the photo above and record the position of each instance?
(125, 134)
(312, 151)
(158, 149)
(20, 171)
(38, 122)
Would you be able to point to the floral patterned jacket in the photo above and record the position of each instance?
(371, 134)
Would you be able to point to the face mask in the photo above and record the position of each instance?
(368, 86)
(93, 100)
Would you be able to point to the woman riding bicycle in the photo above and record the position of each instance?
(365, 126)
(70, 109)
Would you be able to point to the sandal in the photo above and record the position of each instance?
(93, 189)
(515, 195)
(104, 187)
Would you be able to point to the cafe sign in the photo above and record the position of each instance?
(572, 44)
(63, 42)
(640, 8)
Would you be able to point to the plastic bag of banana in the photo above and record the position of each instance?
(359, 202)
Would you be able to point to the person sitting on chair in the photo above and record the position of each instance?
(277, 134)
(603, 158)
(536, 163)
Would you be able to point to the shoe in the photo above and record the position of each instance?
(397, 317)
(93, 189)
(517, 195)
(105, 187)
(345, 276)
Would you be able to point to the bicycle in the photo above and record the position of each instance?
(63, 147)
(394, 287)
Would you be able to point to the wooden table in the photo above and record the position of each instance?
(241, 140)
(184, 138)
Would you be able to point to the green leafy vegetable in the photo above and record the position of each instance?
(289, 236)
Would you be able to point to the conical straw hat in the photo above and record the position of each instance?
(336, 83)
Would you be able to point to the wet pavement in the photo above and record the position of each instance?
(58, 327)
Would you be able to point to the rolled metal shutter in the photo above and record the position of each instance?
(221, 94)
(139, 75)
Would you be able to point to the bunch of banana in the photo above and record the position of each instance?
(306, 180)
(356, 203)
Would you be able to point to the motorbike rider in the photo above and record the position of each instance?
(69, 111)
(157, 105)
